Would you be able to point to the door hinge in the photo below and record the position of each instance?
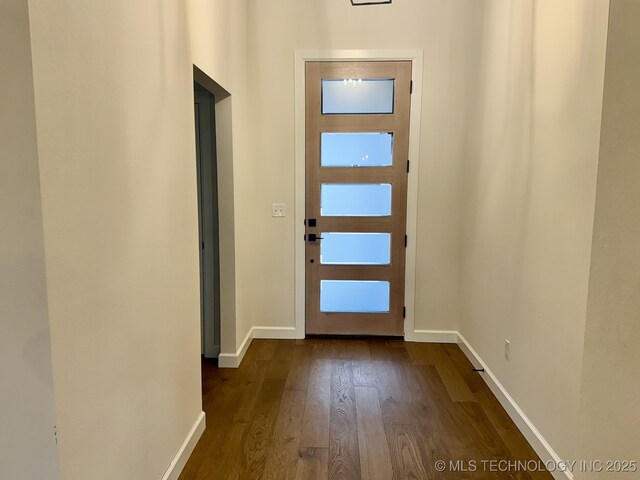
(406, 239)
(411, 87)
(203, 245)
(407, 166)
(404, 312)
(55, 433)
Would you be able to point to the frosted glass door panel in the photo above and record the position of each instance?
(341, 248)
(356, 149)
(357, 95)
(355, 200)
(354, 296)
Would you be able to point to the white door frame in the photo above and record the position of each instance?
(301, 57)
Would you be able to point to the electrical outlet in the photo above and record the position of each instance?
(507, 349)
(278, 210)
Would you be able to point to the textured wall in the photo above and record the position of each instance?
(530, 179)
(610, 406)
(444, 31)
(114, 109)
(27, 417)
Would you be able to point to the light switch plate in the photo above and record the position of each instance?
(278, 210)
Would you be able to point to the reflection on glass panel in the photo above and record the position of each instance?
(357, 95)
(356, 149)
(354, 296)
(342, 248)
(355, 200)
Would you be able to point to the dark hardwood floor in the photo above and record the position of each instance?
(353, 409)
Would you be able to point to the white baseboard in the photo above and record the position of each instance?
(432, 336)
(180, 460)
(528, 429)
(233, 360)
(282, 333)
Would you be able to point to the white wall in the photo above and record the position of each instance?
(444, 31)
(259, 74)
(610, 401)
(114, 108)
(530, 177)
(218, 38)
(509, 151)
(27, 416)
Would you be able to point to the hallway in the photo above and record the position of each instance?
(423, 171)
(357, 408)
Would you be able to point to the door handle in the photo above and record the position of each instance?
(312, 237)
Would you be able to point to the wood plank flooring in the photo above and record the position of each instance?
(371, 409)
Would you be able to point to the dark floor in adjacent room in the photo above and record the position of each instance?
(352, 409)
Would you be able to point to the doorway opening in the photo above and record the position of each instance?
(209, 236)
